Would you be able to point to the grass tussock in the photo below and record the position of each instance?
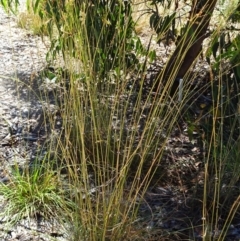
(32, 192)
(32, 22)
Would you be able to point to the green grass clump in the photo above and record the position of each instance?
(34, 192)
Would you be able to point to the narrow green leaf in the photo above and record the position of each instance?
(35, 8)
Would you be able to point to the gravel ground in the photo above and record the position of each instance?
(22, 129)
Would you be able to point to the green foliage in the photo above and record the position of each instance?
(235, 16)
(104, 29)
(10, 5)
(164, 26)
(225, 50)
(33, 191)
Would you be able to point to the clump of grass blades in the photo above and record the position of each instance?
(112, 157)
(221, 142)
(221, 169)
(112, 148)
(32, 192)
(31, 22)
(114, 138)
